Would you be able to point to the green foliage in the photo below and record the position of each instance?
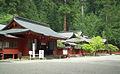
(87, 47)
(92, 26)
(96, 43)
(65, 9)
(79, 45)
(60, 44)
(101, 17)
(5, 17)
(111, 47)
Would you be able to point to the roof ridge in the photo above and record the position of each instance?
(29, 20)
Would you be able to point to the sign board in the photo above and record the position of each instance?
(65, 52)
(30, 53)
(33, 48)
(41, 53)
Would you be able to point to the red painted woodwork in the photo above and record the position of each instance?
(10, 51)
(13, 25)
(23, 42)
(117, 52)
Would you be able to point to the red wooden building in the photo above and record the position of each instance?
(17, 37)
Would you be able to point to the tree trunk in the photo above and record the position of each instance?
(65, 18)
(82, 52)
(65, 1)
(82, 9)
(106, 18)
(64, 22)
(110, 52)
(95, 53)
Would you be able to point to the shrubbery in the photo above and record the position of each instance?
(97, 44)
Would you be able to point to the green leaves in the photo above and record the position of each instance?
(111, 47)
(101, 17)
(64, 9)
(5, 17)
(87, 47)
(60, 44)
(96, 43)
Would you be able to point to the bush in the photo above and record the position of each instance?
(60, 44)
(111, 47)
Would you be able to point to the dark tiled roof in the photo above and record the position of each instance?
(37, 27)
(68, 47)
(6, 33)
(31, 21)
(78, 48)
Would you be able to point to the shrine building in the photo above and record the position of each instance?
(19, 35)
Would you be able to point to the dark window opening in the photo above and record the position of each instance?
(52, 45)
(7, 56)
(76, 51)
(10, 44)
(1, 42)
(0, 56)
(30, 42)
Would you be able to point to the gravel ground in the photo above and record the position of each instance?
(77, 65)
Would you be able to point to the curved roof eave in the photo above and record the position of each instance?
(34, 28)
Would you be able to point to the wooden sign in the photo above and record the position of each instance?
(41, 54)
(33, 48)
(30, 53)
(65, 52)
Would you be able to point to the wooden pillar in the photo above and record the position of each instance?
(13, 56)
(3, 49)
(2, 56)
(25, 48)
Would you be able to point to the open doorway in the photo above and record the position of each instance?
(42, 46)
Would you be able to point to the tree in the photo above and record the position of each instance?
(92, 26)
(93, 17)
(97, 44)
(64, 9)
(110, 48)
(5, 18)
(60, 44)
(87, 48)
(27, 9)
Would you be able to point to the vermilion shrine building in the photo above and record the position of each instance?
(18, 36)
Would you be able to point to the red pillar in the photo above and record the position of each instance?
(2, 56)
(25, 48)
(3, 49)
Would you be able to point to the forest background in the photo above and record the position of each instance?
(92, 17)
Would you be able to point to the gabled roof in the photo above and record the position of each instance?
(66, 34)
(13, 31)
(70, 43)
(78, 37)
(35, 27)
(30, 21)
(70, 34)
(7, 35)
